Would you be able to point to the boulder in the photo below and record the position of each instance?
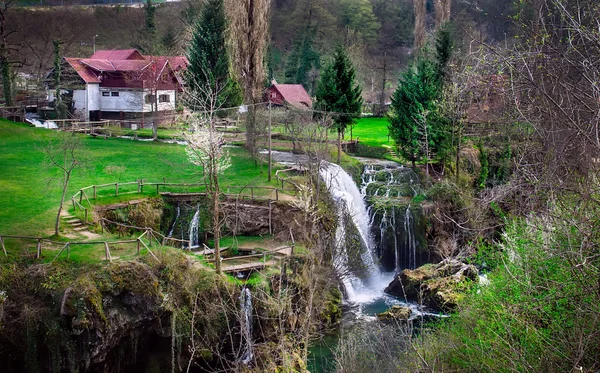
(395, 313)
(438, 286)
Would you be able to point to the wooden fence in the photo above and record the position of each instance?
(252, 192)
(67, 245)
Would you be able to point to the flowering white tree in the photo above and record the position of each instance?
(205, 148)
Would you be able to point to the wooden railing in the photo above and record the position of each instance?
(67, 245)
(252, 192)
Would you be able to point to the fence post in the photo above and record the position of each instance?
(116, 189)
(80, 195)
(39, 249)
(107, 252)
(251, 193)
(3, 248)
(94, 192)
(85, 216)
(270, 216)
(73, 200)
(141, 185)
(276, 194)
(138, 246)
(138, 185)
(157, 188)
(68, 250)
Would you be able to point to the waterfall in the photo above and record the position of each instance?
(350, 202)
(389, 188)
(174, 222)
(246, 326)
(411, 244)
(194, 242)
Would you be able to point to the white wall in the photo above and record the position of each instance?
(93, 93)
(133, 100)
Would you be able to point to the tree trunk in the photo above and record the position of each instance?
(62, 201)
(420, 34)
(7, 77)
(458, 155)
(339, 155)
(217, 231)
(154, 115)
(383, 81)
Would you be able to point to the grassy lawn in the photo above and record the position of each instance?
(30, 191)
(372, 132)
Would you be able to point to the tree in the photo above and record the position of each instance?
(205, 149)
(249, 30)
(339, 93)
(209, 59)
(60, 106)
(420, 15)
(303, 63)
(65, 154)
(5, 64)
(416, 94)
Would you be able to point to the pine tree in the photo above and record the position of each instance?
(208, 71)
(413, 106)
(338, 92)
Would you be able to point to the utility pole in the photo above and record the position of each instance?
(270, 160)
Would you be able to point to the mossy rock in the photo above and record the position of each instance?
(394, 314)
(438, 286)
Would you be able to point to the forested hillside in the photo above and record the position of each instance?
(378, 35)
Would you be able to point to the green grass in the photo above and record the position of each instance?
(372, 132)
(30, 190)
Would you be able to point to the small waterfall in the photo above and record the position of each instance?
(411, 243)
(174, 222)
(350, 203)
(194, 225)
(246, 326)
(389, 188)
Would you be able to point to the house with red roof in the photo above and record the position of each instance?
(120, 84)
(289, 94)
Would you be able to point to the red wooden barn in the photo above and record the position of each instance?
(289, 94)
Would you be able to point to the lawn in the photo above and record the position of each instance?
(372, 132)
(30, 192)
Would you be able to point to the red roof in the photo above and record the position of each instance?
(118, 54)
(294, 94)
(86, 74)
(129, 69)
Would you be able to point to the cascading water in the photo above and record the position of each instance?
(174, 222)
(194, 225)
(247, 352)
(389, 189)
(350, 202)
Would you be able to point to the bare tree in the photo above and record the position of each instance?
(66, 154)
(205, 149)
(420, 33)
(249, 27)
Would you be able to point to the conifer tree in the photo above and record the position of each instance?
(208, 72)
(338, 92)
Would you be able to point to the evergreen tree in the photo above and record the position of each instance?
(208, 74)
(338, 92)
(413, 106)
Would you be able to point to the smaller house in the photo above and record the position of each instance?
(289, 94)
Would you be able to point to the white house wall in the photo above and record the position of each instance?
(79, 103)
(161, 105)
(93, 97)
(133, 101)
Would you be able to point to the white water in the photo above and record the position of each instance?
(174, 222)
(39, 124)
(247, 352)
(195, 223)
(350, 202)
(411, 244)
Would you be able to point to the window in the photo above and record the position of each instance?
(164, 98)
(150, 99)
(105, 94)
(114, 94)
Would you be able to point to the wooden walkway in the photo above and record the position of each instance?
(239, 263)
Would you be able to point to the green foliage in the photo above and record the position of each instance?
(539, 310)
(338, 91)
(481, 180)
(207, 75)
(357, 15)
(413, 106)
(444, 43)
(303, 63)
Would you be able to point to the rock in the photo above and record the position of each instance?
(438, 286)
(395, 313)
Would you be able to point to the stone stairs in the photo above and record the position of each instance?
(391, 151)
(74, 223)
